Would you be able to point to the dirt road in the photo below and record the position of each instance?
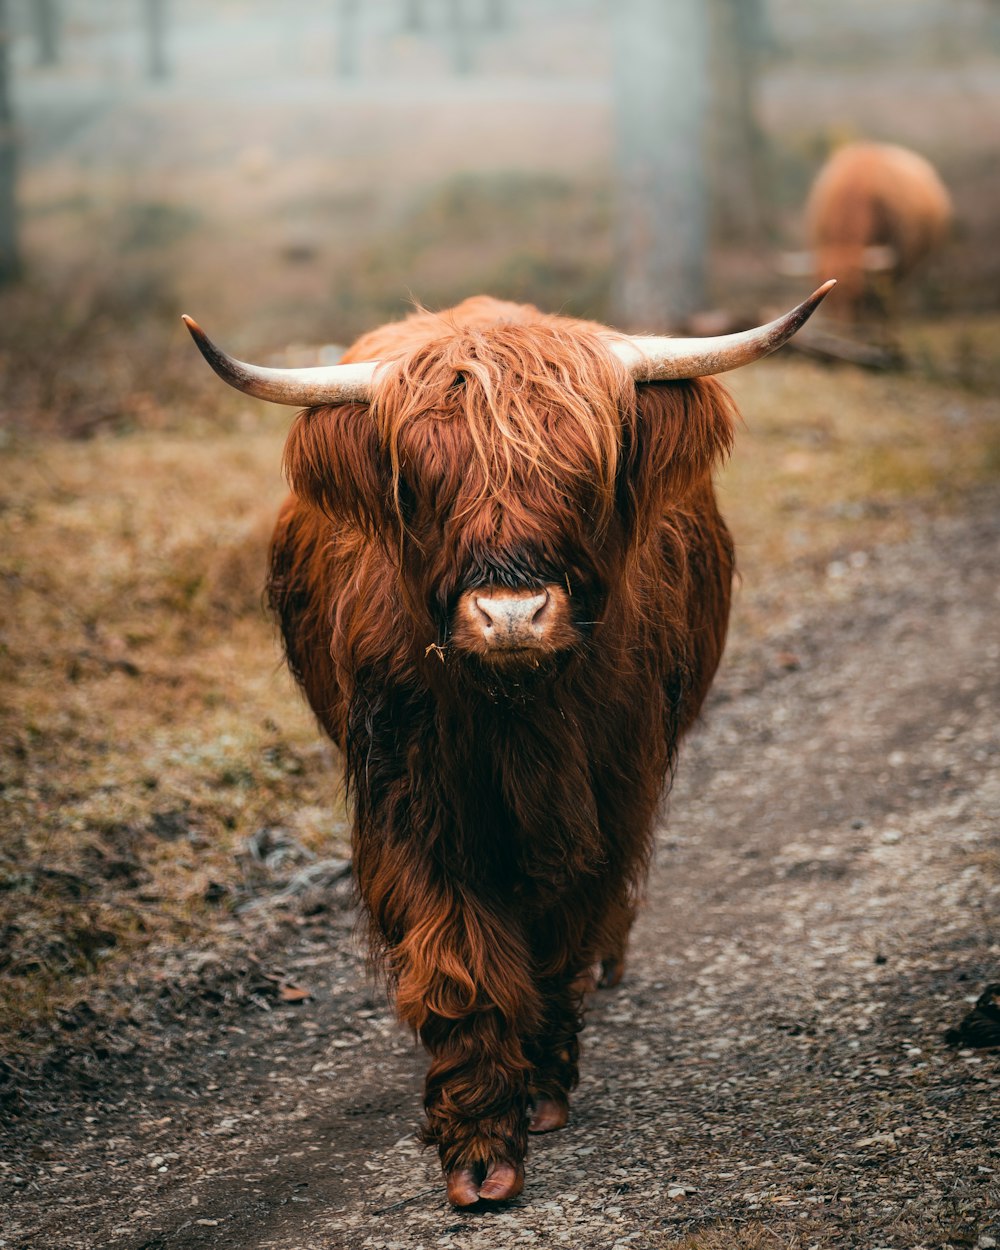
(824, 904)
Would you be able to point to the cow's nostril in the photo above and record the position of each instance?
(482, 613)
(540, 612)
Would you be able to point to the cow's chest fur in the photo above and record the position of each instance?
(530, 801)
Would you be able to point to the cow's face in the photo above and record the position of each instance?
(511, 475)
(511, 468)
(507, 521)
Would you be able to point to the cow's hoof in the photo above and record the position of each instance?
(502, 1182)
(549, 1114)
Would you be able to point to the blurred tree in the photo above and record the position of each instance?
(155, 22)
(740, 40)
(660, 62)
(45, 17)
(413, 15)
(10, 265)
(461, 44)
(991, 18)
(347, 14)
(496, 14)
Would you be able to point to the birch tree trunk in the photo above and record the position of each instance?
(10, 264)
(661, 201)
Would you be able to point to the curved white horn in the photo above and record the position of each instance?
(654, 359)
(300, 388)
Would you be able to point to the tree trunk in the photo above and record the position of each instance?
(495, 14)
(660, 96)
(46, 21)
(413, 15)
(740, 40)
(156, 38)
(459, 33)
(10, 264)
(348, 61)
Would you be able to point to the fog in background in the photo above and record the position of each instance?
(292, 174)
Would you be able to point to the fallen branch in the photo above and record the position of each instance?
(821, 345)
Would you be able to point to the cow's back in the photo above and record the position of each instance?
(875, 195)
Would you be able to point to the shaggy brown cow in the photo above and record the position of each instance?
(874, 212)
(503, 585)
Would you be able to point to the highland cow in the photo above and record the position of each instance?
(503, 585)
(875, 212)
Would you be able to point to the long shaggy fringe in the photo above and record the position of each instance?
(539, 407)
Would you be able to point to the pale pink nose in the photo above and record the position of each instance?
(509, 619)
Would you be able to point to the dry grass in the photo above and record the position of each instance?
(148, 727)
(828, 461)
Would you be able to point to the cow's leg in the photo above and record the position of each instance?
(476, 1101)
(463, 981)
(614, 945)
(555, 1053)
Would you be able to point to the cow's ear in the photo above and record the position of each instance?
(680, 432)
(334, 460)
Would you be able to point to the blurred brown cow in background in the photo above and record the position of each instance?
(875, 212)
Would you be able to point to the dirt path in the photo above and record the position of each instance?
(824, 905)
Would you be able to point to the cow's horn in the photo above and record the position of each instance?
(300, 388)
(654, 359)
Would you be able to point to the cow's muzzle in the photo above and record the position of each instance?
(501, 624)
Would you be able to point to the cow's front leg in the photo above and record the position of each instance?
(463, 981)
(476, 1102)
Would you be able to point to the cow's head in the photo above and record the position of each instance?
(510, 470)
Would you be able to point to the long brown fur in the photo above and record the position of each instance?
(874, 195)
(502, 820)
